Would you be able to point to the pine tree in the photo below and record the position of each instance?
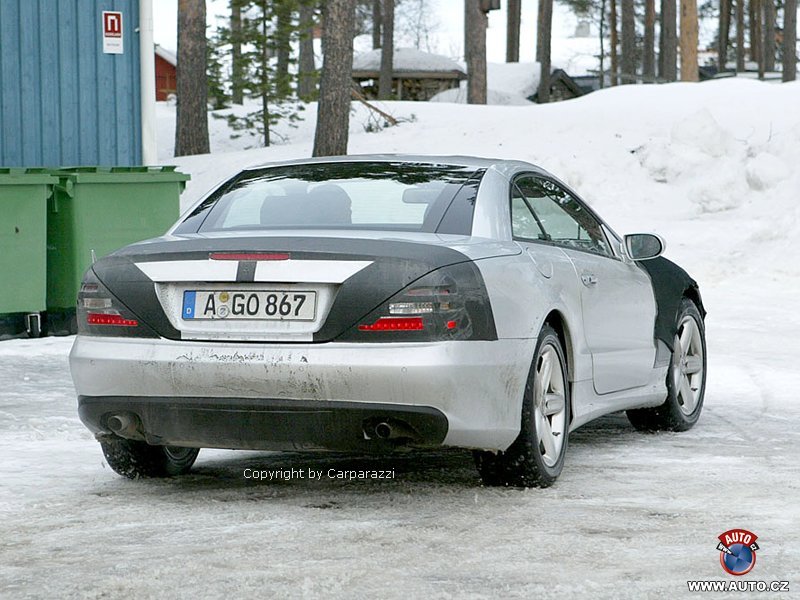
(284, 34)
(613, 26)
(475, 23)
(628, 63)
(265, 77)
(512, 30)
(234, 34)
(215, 71)
(545, 27)
(669, 39)
(191, 126)
(739, 36)
(724, 33)
(688, 40)
(649, 42)
(790, 40)
(335, 86)
(757, 34)
(387, 51)
(307, 70)
(753, 30)
(769, 35)
(377, 24)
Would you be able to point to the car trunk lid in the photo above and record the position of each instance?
(347, 278)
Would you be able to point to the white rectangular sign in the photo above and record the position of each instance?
(112, 32)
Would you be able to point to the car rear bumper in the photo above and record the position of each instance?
(280, 396)
(266, 424)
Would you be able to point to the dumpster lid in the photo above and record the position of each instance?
(26, 176)
(160, 174)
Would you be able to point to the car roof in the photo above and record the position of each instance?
(504, 166)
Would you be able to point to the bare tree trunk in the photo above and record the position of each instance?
(649, 52)
(475, 22)
(237, 71)
(724, 33)
(790, 40)
(689, 40)
(333, 113)
(769, 35)
(752, 19)
(602, 43)
(613, 25)
(539, 17)
(758, 35)
(740, 36)
(387, 52)
(545, 32)
(628, 65)
(377, 23)
(283, 43)
(191, 127)
(306, 68)
(512, 30)
(661, 40)
(670, 33)
(265, 116)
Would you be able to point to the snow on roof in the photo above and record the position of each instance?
(507, 83)
(167, 55)
(406, 59)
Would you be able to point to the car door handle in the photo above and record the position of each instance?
(589, 279)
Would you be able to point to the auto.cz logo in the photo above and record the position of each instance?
(737, 555)
(737, 551)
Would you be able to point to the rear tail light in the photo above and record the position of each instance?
(450, 303)
(110, 319)
(100, 313)
(394, 324)
(249, 256)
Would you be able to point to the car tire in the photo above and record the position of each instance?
(686, 378)
(134, 459)
(536, 457)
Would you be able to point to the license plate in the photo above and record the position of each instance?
(271, 305)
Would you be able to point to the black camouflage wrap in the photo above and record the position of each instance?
(670, 285)
(395, 265)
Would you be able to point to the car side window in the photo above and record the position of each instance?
(523, 221)
(564, 221)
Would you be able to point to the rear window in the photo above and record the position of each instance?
(358, 195)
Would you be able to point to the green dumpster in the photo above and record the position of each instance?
(97, 210)
(23, 216)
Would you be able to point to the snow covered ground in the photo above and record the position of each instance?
(712, 167)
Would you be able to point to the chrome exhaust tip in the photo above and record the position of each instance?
(118, 423)
(124, 425)
(389, 429)
(383, 431)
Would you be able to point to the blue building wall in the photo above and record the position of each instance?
(62, 101)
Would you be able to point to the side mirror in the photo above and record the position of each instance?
(644, 246)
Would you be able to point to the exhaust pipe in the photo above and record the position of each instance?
(383, 431)
(394, 430)
(124, 425)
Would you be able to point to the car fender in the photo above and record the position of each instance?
(522, 296)
(670, 285)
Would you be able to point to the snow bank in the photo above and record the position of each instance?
(508, 84)
(493, 97)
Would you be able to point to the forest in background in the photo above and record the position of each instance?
(265, 52)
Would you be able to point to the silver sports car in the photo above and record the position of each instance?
(376, 303)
